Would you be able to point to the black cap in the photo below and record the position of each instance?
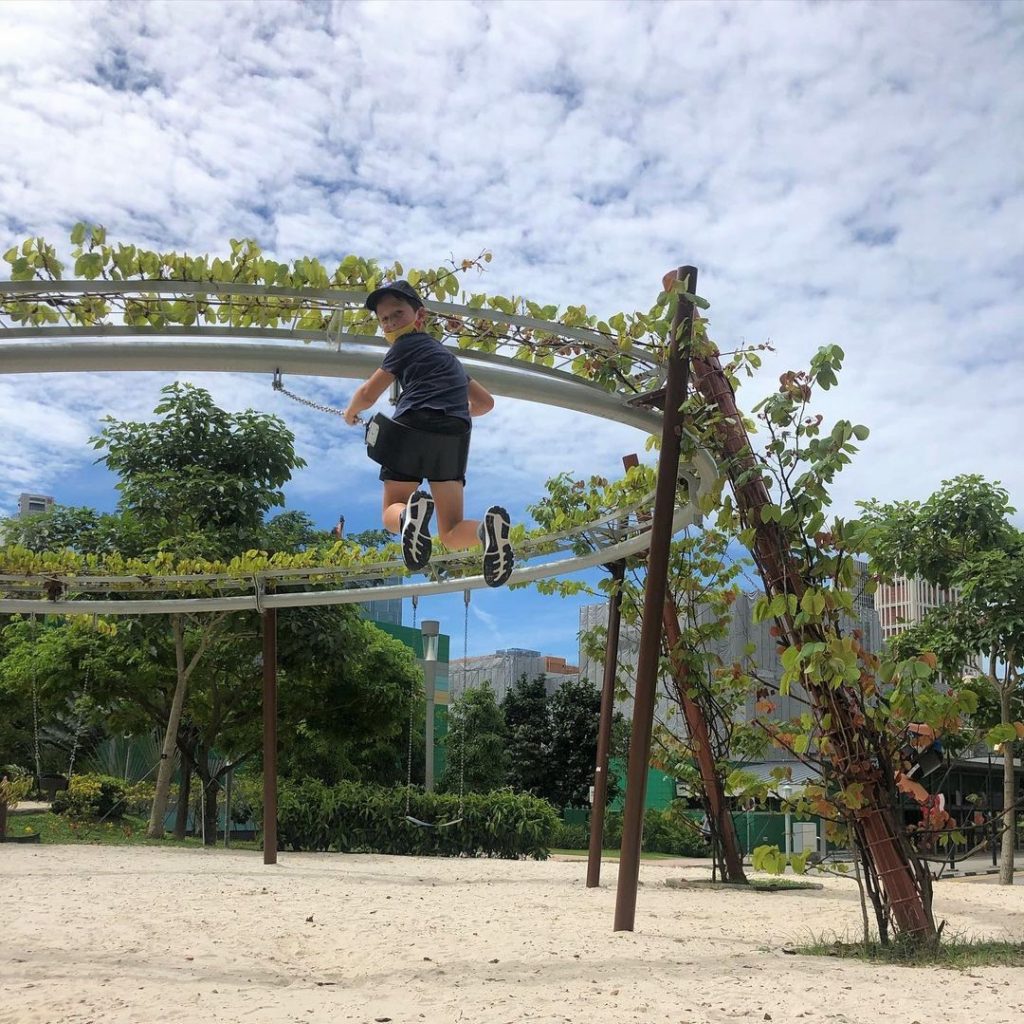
(401, 289)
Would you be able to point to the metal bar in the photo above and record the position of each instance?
(604, 728)
(270, 736)
(634, 545)
(500, 377)
(654, 603)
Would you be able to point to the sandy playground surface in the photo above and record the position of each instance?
(109, 934)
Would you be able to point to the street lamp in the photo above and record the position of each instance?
(786, 792)
(430, 629)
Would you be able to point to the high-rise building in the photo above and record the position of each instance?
(906, 601)
(731, 649)
(504, 668)
(33, 504)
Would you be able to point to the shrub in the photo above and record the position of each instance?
(667, 831)
(356, 818)
(93, 796)
(571, 837)
(15, 785)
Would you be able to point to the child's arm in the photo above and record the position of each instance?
(366, 394)
(480, 399)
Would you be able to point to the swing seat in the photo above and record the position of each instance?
(417, 453)
(428, 824)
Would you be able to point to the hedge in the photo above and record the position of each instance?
(667, 831)
(356, 818)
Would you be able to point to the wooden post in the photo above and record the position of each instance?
(604, 729)
(270, 736)
(653, 610)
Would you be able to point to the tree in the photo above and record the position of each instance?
(476, 742)
(575, 709)
(962, 537)
(198, 480)
(527, 717)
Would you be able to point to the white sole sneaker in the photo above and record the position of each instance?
(416, 543)
(499, 559)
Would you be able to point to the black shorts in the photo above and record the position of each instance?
(434, 422)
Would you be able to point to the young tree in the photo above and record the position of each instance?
(962, 537)
(197, 480)
(476, 742)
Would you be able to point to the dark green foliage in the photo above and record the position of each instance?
(354, 818)
(528, 720)
(476, 716)
(575, 710)
(198, 477)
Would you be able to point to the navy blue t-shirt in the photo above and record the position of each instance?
(430, 375)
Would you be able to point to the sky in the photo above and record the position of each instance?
(847, 173)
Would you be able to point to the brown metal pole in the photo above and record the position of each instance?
(270, 736)
(604, 728)
(654, 603)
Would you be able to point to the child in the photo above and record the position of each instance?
(437, 397)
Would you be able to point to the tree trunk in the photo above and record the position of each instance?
(902, 883)
(163, 778)
(184, 792)
(211, 792)
(1009, 791)
(720, 820)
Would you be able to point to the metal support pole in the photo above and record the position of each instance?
(654, 603)
(604, 729)
(270, 736)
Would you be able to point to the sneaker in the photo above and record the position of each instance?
(498, 557)
(415, 526)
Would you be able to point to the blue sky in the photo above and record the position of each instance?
(847, 173)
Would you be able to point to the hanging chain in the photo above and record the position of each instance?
(35, 700)
(412, 705)
(81, 720)
(462, 724)
(279, 386)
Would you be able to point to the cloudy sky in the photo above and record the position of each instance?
(839, 172)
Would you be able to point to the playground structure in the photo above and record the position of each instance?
(136, 344)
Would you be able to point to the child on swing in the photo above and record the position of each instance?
(439, 398)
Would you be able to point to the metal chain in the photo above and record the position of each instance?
(81, 721)
(462, 724)
(412, 692)
(278, 386)
(35, 701)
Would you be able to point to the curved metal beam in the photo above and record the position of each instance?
(684, 516)
(508, 377)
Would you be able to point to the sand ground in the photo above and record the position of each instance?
(140, 934)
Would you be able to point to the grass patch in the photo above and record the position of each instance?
(956, 953)
(55, 829)
(614, 854)
(779, 884)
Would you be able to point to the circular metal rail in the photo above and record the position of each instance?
(616, 534)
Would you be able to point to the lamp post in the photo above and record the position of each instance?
(786, 791)
(430, 628)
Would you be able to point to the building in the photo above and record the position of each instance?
(742, 632)
(33, 504)
(906, 601)
(503, 668)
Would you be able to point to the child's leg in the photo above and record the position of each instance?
(396, 494)
(454, 531)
